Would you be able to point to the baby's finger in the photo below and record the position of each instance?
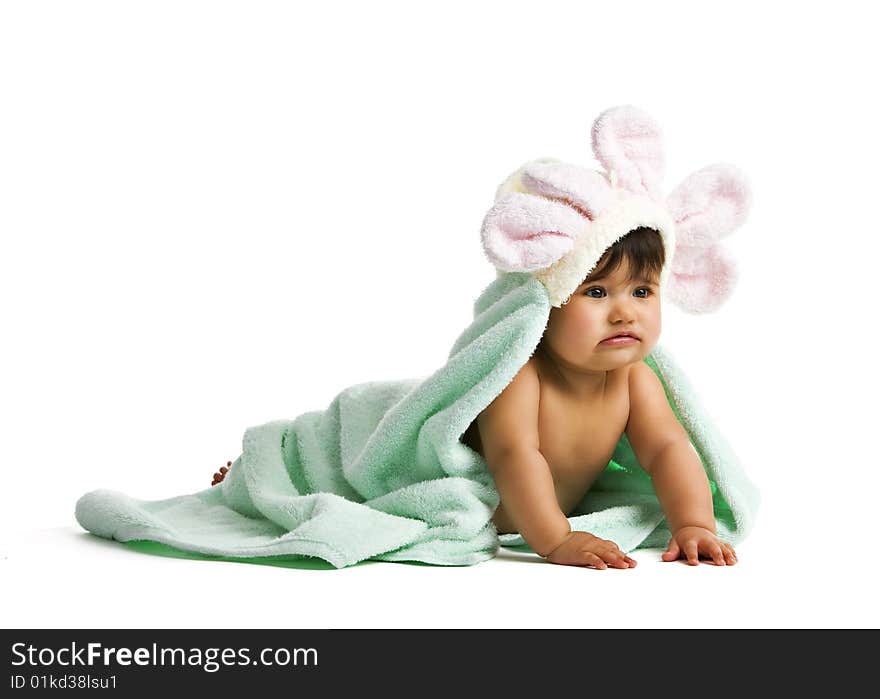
(608, 546)
(672, 552)
(617, 559)
(729, 554)
(718, 556)
(630, 561)
(591, 559)
(692, 552)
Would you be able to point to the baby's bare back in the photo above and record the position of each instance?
(577, 437)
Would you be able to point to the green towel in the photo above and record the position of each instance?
(381, 474)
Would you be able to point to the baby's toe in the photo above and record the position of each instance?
(221, 474)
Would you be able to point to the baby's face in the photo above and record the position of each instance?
(601, 308)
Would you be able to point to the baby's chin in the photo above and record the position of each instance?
(621, 364)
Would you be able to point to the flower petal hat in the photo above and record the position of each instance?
(555, 220)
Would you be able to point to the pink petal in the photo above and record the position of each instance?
(709, 204)
(526, 232)
(628, 142)
(702, 279)
(587, 191)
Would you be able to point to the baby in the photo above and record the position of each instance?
(602, 245)
(553, 430)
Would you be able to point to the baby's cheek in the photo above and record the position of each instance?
(656, 325)
(581, 339)
(574, 335)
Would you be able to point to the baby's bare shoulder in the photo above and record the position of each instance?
(510, 421)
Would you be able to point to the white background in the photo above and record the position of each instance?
(218, 214)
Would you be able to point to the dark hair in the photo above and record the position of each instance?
(642, 247)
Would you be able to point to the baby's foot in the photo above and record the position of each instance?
(221, 474)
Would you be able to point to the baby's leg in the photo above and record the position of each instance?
(221, 474)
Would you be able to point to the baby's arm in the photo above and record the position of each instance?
(510, 439)
(664, 450)
(509, 436)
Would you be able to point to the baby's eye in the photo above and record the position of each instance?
(646, 289)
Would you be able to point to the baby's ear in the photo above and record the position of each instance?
(587, 190)
(629, 143)
(706, 207)
(525, 232)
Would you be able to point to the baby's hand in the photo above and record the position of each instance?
(694, 541)
(583, 549)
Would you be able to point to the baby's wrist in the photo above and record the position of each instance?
(698, 526)
(558, 542)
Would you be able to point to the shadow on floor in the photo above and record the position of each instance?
(154, 548)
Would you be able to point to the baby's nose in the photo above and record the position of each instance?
(622, 310)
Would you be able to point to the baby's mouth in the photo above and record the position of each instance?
(620, 340)
(632, 336)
